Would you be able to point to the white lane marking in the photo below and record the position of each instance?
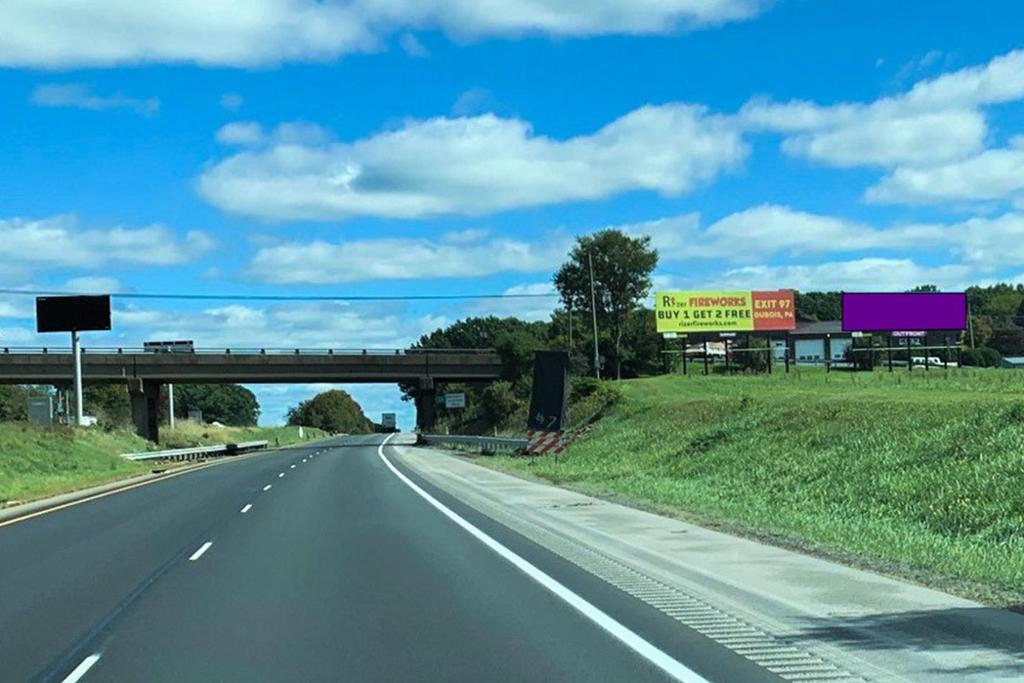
(280, 475)
(199, 553)
(80, 670)
(293, 467)
(623, 634)
(247, 508)
(268, 487)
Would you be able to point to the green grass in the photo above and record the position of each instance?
(37, 463)
(187, 434)
(919, 474)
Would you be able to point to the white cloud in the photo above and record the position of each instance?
(868, 274)
(412, 46)
(60, 242)
(231, 101)
(455, 255)
(527, 308)
(473, 166)
(761, 232)
(49, 33)
(80, 96)
(97, 284)
(937, 121)
(993, 174)
(244, 133)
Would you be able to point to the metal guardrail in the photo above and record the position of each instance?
(486, 444)
(199, 452)
(262, 351)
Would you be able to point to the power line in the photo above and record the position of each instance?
(285, 297)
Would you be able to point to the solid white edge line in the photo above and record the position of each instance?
(247, 508)
(80, 670)
(623, 634)
(199, 553)
(268, 487)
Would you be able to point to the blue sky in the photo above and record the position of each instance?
(374, 147)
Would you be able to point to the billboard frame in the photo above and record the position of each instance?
(845, 328)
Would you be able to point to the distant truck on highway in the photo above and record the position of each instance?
(387, 421)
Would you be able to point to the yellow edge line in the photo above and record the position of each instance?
(129, 487)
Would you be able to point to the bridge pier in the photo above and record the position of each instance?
(145, 396)
(426, 408)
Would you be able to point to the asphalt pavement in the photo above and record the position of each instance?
(326, 562)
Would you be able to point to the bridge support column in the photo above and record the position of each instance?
(426, 408)
(145, 396)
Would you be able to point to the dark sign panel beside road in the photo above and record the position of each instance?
(892, 311)
(550, 379)
(72, 313)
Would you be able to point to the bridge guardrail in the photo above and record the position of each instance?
(487, 444)
(198, 452)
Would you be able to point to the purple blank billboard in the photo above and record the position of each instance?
(886, 312)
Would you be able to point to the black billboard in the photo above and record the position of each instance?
(72, 313)
(550, 390)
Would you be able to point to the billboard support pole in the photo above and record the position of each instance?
(728, 361)
(76, 351)
(705, 355)
(890, 352)
(785, 353)
(170, 405)
(770, 352)
(684, 357)
(910, 357)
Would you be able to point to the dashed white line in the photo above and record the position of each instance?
(80, 670)
(247, 508)
(280, 475)
(268, 487)
(620, 632)
(199, 553)
(293, 467)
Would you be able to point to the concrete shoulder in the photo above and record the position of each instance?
(755, 598)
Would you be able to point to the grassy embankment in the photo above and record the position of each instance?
(920, 476)
(36, 463)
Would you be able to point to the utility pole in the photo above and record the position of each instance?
(76, 350)
(970, 323)
(593, 311)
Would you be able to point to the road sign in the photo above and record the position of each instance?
(454, 400)
(72, 313)
(40, 410)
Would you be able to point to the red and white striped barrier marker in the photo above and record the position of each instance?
(542, 442)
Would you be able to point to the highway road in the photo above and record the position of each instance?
(327, 562)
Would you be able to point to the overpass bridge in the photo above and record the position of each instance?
(145, 372)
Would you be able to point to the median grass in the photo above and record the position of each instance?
(186, 434)
(37, 463)
(918, 474)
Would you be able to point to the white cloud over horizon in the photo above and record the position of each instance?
(48, 33)
(79, 96)
(471, 165)
(60, 241)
